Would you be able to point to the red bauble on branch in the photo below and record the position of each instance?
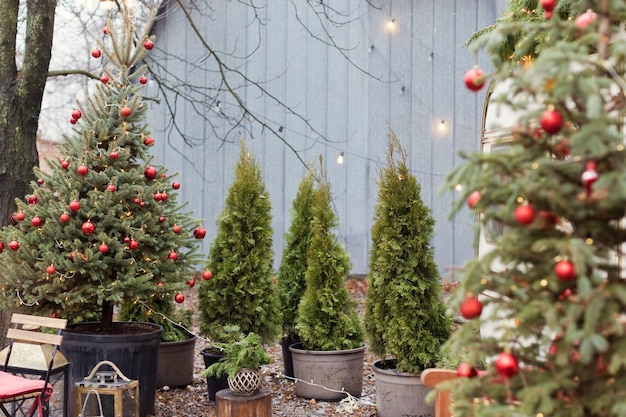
(20, 216)
(548, 6)
(82, 169)
(74, 206)
(191, 282)
(551, 121)
(96, 53)
(76, 114)
(64, 218)
(474, 79)
(36, 221)
(471, 308)
(133, 244)
(524, 214)
(466, 370)
(126, 111)
(150, 172)
(50, 269)
(88, 228)
(143, 79)
(149, 141)
(199, 233)
(104, 79)
(172, 255)
(14, 245)
(65, 164)
(473, 199)
(114, 155)
(179, 298)
(175, 185)
(1, 246)
(207, 275)
(565, 270)
(585, 19)
(103, 248)
(148, 44)
(506, 364)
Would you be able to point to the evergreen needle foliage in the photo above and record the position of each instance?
(327, 316)
(78, 262)
(553, 283)
(293, 266)
(405, 317)
(242, 291)
(245, 351)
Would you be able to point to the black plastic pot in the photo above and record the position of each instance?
(134, 354)
(214, 384)
(287, 357)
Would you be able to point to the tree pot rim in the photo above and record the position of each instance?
(156, 328)
(297, 347)
(377, 367)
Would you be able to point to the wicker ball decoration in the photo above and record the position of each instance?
(246, 382)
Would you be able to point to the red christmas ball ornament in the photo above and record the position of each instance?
(111, 187)
(20, 216)
(73, 121)
(163, 196)
(143, 79)
(32, 200)
(50, 269)
(65, 164)
(585, 19)
(589, 176)
(524, 214)
(14, 245)
(88, 228)
(137, 200)
(199, 233)
(191, 282)
(176, 229)
(148, 44)
(158, 196)
(1, 246)
(74, 206)
(36, 221)
(64, 218)
(104, 79)
(160, 284)
(548, 7)
(473, 199)
(172, 255)
(126, 111)
(126, 239)
(175, 185)
(161, 219)
(207, 275)
(563, 148)
(114, 154)
(506, 365)
(466, 370)
(105, 30)
(82, 170)
(40, 181)
(149, 141)
(179, 298)
(150, 172)
(96, 53)
(76, 114)
(133, 244)
(103, 248)
(551, 121)
(565, 270)
(471, 308)
(474, 79)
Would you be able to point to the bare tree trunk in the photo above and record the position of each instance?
(21, 91)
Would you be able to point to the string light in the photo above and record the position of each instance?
(391, 24)
(340, 158)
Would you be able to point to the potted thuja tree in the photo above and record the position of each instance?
(328, 363)
(241, 290)
(103, 226)
(405, 318)
(291, 273)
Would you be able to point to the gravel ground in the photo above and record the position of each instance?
(193, 400)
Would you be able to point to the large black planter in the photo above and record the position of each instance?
(214, 384)
(134, 354)
(176, 359)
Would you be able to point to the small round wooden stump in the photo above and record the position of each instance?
(229, 405)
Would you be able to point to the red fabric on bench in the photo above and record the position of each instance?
(13, 385)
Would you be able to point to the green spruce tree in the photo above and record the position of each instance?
(291, 273)
(549, 297)
(327, 316)
(98, 229)
(242, 291)
(405, 317)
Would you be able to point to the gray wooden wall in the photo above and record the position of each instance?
(408, 78)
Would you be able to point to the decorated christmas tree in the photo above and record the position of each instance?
(241, 290)
(103, 227)
(549, 297)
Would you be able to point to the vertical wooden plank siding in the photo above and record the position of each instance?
(408, 77)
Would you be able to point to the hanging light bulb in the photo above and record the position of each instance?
(340, 158)
(391, 24)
